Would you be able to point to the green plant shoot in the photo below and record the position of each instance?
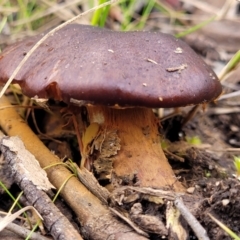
(237, 164)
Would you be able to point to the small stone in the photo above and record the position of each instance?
(217, 183)
(191, 190)
(197, 186)
(210, 167)
(225, 202)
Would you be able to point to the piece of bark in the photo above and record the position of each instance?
(24, 163)
(175, 223)
(14, 153)
(148, 223)
(130, 194)
(96, 220)
(5, 174)
(129, 222)
(89, 181)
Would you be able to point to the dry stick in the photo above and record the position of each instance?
(190, 115)
(15, 156)
(224, 10)
(11, 217)
(45, 37)
(23, 232)
(130, 222)
(96, 220)
(229, 95)
(191, 220)
(88, 179)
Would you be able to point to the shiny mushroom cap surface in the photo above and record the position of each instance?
(100, 66)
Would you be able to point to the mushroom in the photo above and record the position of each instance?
(117, 77)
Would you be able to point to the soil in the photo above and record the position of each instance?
(211, 171)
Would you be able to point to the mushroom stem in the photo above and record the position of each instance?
(140, 156)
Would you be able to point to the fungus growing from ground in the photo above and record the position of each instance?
(117, 77)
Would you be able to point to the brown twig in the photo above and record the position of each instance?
(191, 220)
(23, 232)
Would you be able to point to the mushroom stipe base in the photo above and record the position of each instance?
(140, 153)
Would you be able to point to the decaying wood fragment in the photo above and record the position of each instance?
(88, 179)
(176, 211)
(129, 222)
(178, 68)
(148, 223)
(175, 223)
(107, 144)
(123, 194)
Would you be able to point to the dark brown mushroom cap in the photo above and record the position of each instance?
(101, 66)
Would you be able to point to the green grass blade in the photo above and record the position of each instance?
(195, 28)
(100, 15)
